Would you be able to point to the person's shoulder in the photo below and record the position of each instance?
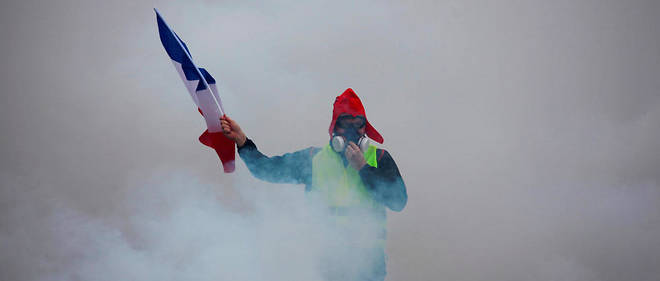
(382, 153)
(311, 151)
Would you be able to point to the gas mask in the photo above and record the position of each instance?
(339, 142)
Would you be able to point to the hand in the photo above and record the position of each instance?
(232, 131)
(355, 156)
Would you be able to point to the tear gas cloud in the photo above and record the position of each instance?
(175, 230)
(528, 135)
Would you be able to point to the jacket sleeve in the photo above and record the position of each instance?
(295, 167)
(385, 182)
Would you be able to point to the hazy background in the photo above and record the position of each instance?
(527, 132)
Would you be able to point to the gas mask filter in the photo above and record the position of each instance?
(339, 142)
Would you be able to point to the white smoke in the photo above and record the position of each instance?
(527, 133)
(172, 227)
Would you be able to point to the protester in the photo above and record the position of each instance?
(356, 180)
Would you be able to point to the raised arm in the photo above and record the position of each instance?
(288, 168)
(295, 167)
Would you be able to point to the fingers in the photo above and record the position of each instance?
(228, 119)
(352, 150)
(354, 156)
(348, 152)
(224, 117)
(225, 125)
(354, 146)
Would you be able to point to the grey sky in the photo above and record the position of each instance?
(527, 132)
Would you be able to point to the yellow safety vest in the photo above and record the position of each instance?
(342, 189)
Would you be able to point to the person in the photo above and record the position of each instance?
(356, 180)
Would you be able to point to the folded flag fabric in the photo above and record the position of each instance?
(202, 88)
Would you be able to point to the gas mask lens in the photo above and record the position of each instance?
(351, 122)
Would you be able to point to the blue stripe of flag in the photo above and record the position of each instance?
(181, 55)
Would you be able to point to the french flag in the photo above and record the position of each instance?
(202, 89)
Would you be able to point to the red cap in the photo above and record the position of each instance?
(349, 103)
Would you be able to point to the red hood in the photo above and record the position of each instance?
(349, 103)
